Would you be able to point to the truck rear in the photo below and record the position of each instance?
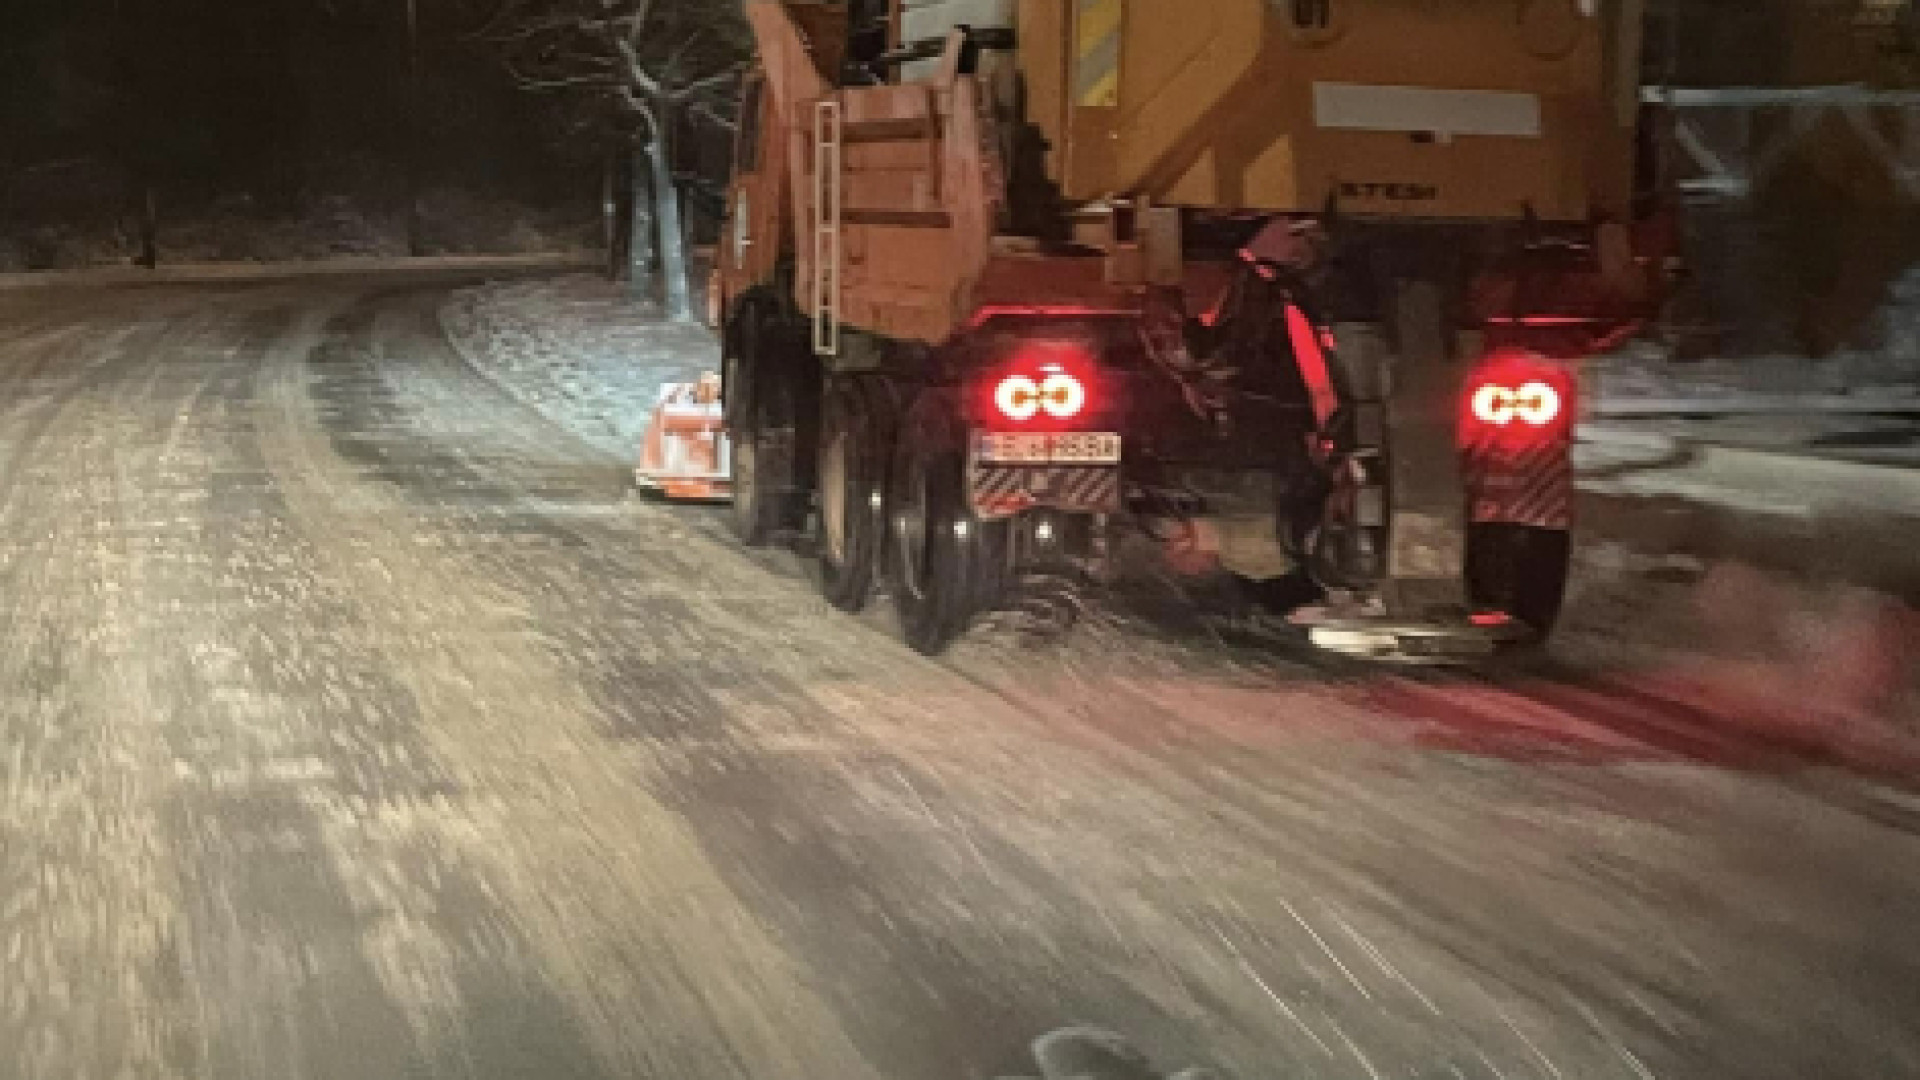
(1288, 293)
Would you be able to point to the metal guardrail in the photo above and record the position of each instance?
(1731, 156)
(1698, 97)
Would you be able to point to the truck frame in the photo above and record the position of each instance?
(1283, 293)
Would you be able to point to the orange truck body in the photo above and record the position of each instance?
(1469, 111)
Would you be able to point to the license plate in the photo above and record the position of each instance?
(1067, 448)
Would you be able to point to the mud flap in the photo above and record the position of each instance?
(999, 491)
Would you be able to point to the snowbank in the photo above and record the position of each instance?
(578, 350)
(1645, 371)
(232, 272)
(239, 229)
(1833, 444)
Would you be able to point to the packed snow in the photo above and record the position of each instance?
(579, 349)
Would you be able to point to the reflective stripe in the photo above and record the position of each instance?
(1312, 359)
(999, 491)
(1097, 67)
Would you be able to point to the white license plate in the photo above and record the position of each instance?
(1067, 448)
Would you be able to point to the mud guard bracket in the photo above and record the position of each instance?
(1427, 536)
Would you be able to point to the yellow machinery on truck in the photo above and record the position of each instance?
(1287, 291)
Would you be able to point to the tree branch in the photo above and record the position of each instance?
(710, 83)
(637, 56)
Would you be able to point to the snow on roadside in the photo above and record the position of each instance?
(1766, 482)
(1644, 370)
(578, 350)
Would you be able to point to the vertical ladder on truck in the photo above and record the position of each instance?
(828, 214)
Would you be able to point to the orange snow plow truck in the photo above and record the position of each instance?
(1287, 294)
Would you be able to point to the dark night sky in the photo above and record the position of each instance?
(275, 98)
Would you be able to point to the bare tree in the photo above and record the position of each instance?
(643, 65)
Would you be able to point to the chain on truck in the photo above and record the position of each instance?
(1287, 292)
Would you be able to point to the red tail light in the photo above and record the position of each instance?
(1052, 390)
(1018, 398)
(1536, 403)
(1516, 396)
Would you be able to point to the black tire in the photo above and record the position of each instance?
(855, 443)
(734, 401)
(1521, 571)
(945, 565)
(757, 410)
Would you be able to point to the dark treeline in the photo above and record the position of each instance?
(264, 108)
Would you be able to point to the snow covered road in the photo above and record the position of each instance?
(361, 723)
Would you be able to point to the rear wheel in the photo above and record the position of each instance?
(760, 411)
(754, 522)
(852, 464)
(1521, 571)
(946, 565)
(733, 385)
